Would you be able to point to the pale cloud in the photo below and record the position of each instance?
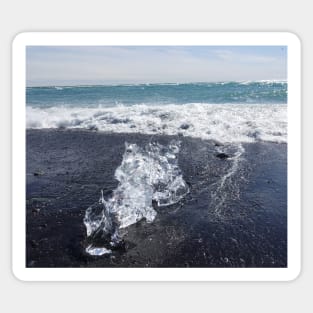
(52, 65)
(227, 55)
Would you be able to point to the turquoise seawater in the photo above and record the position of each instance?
(259, 92)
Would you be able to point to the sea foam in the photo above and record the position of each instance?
(221, 122)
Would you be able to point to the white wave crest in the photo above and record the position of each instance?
(221, 122)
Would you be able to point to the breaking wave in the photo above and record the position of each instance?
(146, 175)
(221, 122)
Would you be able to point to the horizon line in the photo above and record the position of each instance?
(157, 83)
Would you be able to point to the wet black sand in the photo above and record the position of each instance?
(241, 224)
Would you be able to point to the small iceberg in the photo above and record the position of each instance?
(145, 175)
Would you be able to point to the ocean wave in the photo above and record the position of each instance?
(246, 82)
(262, 82)
(220, 122)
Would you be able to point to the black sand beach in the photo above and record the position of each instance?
(239, 223)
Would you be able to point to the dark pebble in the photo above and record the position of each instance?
(222, 156)
(218, 144)
(184, 126)
(34, 243)
(39, 173)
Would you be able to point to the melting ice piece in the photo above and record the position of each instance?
(97, 218)
(145, 174)
(97, 251)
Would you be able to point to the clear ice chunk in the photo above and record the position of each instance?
(97, 251)
(145, 174)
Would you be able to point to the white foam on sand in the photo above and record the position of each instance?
(221, 122)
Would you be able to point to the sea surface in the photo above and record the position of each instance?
(245, 111)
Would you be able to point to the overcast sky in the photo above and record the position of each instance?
(68, 65)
